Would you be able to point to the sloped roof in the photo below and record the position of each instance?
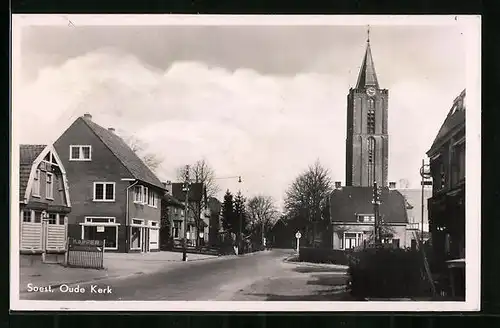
(125, 154)
(454, 119)
(172, 201)
(347, 202)
(27, 155)
(367, 75)
(414, 198)
(196, 191)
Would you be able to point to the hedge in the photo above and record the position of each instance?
(323, 255)
(387, 273)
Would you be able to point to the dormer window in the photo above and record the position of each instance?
(366, 218)
(80, 153)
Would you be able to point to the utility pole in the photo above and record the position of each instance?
(240, 243)
(376, 204)
(186, 190)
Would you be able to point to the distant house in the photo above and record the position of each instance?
(352, 216)
(172, 217)
(212, 215)
(413, 199)
(44, 200)
(447, 168)
(115, 196)
(282, 235)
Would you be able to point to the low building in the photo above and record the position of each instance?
(115, 196)
(414, 204)
(353, 219)
(44, 201)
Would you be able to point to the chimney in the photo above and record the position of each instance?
(111, 129)
(168, 187)
(338, 185)
(392, 185)
(87, 116)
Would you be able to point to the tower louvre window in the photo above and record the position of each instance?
(371, 160)
(371, 117)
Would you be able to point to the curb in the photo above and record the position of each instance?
(311, 264)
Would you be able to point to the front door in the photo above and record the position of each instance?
(145, 240)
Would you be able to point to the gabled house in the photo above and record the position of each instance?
(172, 215)
(44, 200)
(447, 168)
(353, 219)
(115, 196)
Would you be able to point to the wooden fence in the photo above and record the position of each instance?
(85, 254)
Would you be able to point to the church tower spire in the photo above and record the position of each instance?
(367, 142)
(367, 76)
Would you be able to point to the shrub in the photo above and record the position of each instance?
(386, 273)
(323, 255)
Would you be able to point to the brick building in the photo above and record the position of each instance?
(115, 196)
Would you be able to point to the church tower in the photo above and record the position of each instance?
(367, 143)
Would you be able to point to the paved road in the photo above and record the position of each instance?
(257, 276)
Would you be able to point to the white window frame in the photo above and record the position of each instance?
(49, 187)
(80, 153)
(104, 192)
(112, 223)
(36, 184)
(31, 216)
(138, 191)
(372, 218)
(145, 194)
(152, 199)
(358, 239)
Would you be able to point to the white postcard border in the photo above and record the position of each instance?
(471, 25)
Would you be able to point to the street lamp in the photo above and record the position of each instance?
(185, 188)
(425, 173)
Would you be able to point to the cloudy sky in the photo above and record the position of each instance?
(260, 102)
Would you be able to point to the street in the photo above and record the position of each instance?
(258, 276)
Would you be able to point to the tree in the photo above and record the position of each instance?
(138, 146)
(241, 216)
(200, 172)
(227, 212)
(307, 197)
(262, 214)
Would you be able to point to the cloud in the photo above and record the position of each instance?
(266, 128)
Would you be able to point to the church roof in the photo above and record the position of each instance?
(347, 202)
(367, 76)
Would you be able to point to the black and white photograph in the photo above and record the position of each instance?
(245, 163)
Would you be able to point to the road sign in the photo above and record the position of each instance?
(426, 183)
(298, 235)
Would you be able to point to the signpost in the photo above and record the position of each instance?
(298, 235)
(86, 253)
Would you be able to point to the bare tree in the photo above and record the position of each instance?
(139, 147)
(307, 197)
(200, 172)
(262, 214)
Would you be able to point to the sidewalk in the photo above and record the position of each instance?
(117, 265)
(294, 259)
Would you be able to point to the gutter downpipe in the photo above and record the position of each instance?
(127, 219)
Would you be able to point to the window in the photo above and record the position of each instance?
(352, 240)
(36, 184)
(49, 187)
(26, 216)
(100, 220)
(366, 218)
(371, 117)
(38, 217)
(137, 221)
(153, 223)
(104, 191)
(177, 229)
(61, 220)
(145, 194)
(138, 193)
(80, 153)
(458, 162)
(152, 199)
(105, 232)
(52, 218)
